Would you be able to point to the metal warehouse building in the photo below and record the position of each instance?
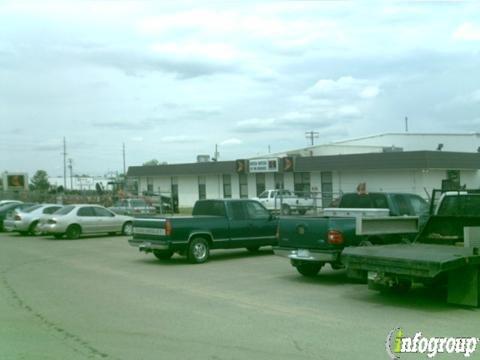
(389, 162)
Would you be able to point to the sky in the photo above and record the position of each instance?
(172, 79)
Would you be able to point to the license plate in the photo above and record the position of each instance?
(303, 253)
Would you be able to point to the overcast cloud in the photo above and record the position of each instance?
(172, 79)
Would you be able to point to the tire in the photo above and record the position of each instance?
(253, 249)
(73, 232)
(302, 211)
(32, 230)
(127, 228)
(309, 269)
(163, 254)
(402, 286)
(286, 209)
(365, 243)
(198, 250)
(57, 236)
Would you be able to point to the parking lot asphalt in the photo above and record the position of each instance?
(98, 298)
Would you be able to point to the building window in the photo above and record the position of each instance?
(227, 186)
(202, 188)
(243, 185)
(279, 183)
(149, 185)
(260, 180)
(301, 183)
(327, 188)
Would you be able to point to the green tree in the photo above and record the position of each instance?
(40, 181)
(151, 162)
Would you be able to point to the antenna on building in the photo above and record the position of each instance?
(406, 123)
(312, 135)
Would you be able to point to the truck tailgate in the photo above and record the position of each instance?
(422, 260)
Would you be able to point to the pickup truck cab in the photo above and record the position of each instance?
(312, 241)
(285, 201)
(214, 224)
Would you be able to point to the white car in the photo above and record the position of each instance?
(285, 201)
(85, 219)
(25, 221)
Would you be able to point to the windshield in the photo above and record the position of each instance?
(138, 203)
(65, 210)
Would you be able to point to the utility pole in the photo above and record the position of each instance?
(70, 167)
(217, 154)
(124, 171)
(406, 123)
(64, 164)
(312, 135)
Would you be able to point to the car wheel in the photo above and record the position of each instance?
(73, 232)
(286, 209)
(302, 211)
(127, 229)
(253, 249)
(57, 236)
(163, 254)
(33, 230)
(309, 269)
(198, 250)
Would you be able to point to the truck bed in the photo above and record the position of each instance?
(417, 259)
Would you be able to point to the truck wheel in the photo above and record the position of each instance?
(198, 251)
(309, 269)
(302, 211)
(163, 254)
(286, 209)
(253, 249)
(127, 228)
(402, 286)
(57, 236)
(73, 232)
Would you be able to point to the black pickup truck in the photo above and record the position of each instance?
(214, 224)
(360, 219)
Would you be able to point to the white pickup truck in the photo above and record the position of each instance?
(285, 201)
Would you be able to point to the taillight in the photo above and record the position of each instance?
(168, 228)
(51, 221)
(17, 217)
(335, 237)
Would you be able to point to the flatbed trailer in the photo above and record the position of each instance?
(442, 254)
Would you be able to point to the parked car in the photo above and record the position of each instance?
(285, 201)
(85, 219)
(5, 209)
(25, 221)
(132, 207)
(4, 202)
(214, 224)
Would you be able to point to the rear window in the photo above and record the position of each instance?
(212, 208)
(31, 208)
(358, 201)
(65, 210)
(468, 205)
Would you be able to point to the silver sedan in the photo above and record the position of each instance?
(26, 221)
(85, 219)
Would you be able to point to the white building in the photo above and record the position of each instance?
(405, 162)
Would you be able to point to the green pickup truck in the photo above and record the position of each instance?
(445, 253)
(214, 224)
(360, 219)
